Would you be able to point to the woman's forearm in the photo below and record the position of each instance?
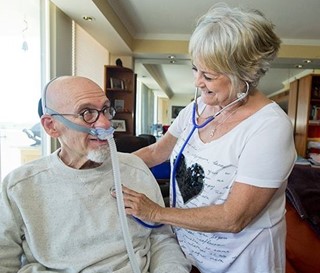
(158, 152)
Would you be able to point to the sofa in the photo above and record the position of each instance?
(130, 143)
(303, 220)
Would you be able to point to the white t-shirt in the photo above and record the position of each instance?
(260, 152)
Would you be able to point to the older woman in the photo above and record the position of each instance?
(228, 183)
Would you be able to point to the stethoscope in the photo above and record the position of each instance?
(195, 112)
(240, 97)
(145, 224)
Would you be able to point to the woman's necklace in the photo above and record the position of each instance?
(214, 129)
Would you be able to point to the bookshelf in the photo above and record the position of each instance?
(304, 111)
(120, 88)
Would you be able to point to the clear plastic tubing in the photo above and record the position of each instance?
(120, 203)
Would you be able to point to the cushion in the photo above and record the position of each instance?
(303, 192)
(302, 245)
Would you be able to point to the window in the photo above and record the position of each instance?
(21, 70)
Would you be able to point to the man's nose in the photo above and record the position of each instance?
(103, 121)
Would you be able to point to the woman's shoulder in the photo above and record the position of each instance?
(274, 111)
(269, 118)
(261, 106)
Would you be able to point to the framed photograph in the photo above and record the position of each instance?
(119, 125)
(175, 111)
(117, 83)
(119, 105)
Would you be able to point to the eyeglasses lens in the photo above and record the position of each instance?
(109, 112)
(92, 115)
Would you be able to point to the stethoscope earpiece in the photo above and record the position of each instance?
(241, 95)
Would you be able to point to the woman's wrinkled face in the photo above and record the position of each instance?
(215, 87)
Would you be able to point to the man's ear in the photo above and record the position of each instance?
(49, 125)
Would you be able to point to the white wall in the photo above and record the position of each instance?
(90, 57)
(146, 109)
(60, 44)
(178, 100)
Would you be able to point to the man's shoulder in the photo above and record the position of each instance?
(26, 171)
(131, 160)
(133, 165)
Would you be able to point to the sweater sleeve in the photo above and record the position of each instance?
(12, 258)
(10, 234)
(166, 254)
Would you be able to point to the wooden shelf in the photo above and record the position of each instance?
(304, 128)
(125, 79)
(118, 90)
(317, 139)
(314, 122)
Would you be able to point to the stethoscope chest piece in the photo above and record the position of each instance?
(113, 191)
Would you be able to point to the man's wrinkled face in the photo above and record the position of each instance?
(84, 104)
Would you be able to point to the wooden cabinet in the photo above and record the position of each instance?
(120, 88)
(304, 111)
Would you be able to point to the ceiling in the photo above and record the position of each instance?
(151, 30)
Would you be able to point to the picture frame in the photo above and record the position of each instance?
(175, 111)
(116, 83)
(119, 105)
(119, 125)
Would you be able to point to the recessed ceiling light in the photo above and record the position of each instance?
(298, 66)
(171, 57)
(307, 61)
(88, 18)
(172, 61)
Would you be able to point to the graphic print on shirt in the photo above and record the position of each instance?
(190, 180)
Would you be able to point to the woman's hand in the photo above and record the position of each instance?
(140, 206)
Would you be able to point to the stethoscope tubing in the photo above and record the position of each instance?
(175, 166)
(197, 126)
(146, 224)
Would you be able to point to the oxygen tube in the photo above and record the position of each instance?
(103, 134)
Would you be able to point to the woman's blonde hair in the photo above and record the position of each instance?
(237, 43)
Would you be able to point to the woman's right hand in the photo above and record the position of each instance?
(140, 206)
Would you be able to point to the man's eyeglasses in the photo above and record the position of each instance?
(88, 115)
